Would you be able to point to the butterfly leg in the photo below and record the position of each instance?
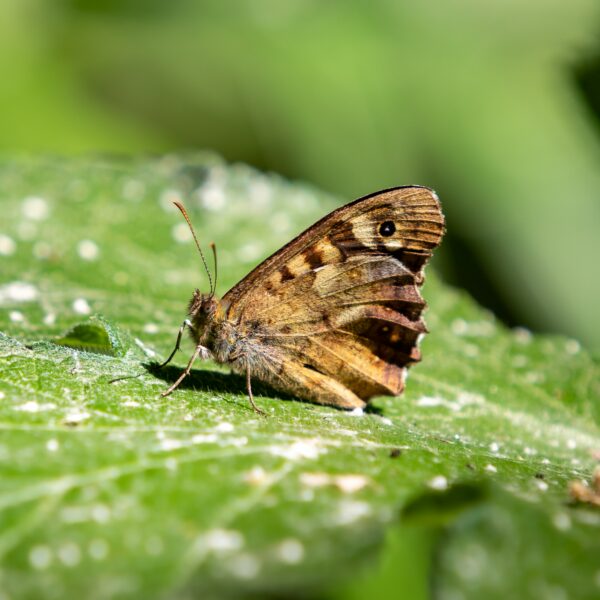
(186, 323)
(250, 395)
(199, 351)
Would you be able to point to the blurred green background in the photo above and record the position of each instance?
(493, 104)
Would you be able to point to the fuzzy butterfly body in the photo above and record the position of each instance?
(334, 317)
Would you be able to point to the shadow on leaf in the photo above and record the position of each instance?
(214, 381)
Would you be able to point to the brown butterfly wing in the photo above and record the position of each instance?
(335, 315)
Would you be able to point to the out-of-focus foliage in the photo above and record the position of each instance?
(475, 99)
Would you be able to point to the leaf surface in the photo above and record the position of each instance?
(109, 490)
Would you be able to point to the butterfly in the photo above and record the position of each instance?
(333, 317)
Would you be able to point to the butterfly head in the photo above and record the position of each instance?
(201, 304)
(202, 310)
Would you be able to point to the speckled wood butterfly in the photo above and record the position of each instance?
(333, 317)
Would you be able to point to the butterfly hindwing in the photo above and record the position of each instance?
(335, 316)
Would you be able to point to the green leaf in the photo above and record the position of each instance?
(508, 548)
(110, 490)
(96, 335)
(497, 545)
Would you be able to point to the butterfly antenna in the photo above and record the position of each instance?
(185, 216)
(214, 251)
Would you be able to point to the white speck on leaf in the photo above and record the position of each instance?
(224, 427)
(49, 319)
(315, 479)
(16, 316)
(562, 521)
(52, 445)
(257, 476)
(347, 432)
(35, 208)
(150, 328)
(349, 511)
(439, 482)
(290, 551)
(243, 566)
(212, 196)
(7, 245)
(171, 464)
(219, 541)
(33, 407)
(88, 250)
(181, 233)
(348, 484)
(522, 335)
(534, 377)
(69, 554)
(75, 417)
(100, 513)
(169, 444)
(307, 495)
(475, 328)
(468, 398)
(430, 401)
(310, 448)
(463, 399)
(204, 438)
(131, 404)
(494, 447)
(491, 468)
(81, 306)
(167, 199)
(459, 327)
(572, 347)
(18, 291)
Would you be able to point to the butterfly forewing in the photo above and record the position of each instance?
(335, 315)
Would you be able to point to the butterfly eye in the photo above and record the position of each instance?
(387, 228)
